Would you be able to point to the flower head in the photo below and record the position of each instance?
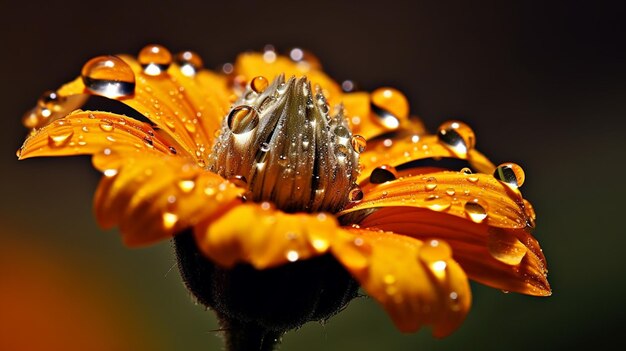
(270, 164)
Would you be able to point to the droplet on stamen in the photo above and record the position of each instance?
(242, 119)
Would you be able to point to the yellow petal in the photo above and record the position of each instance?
(418, 283)
(504, 258)
(87, 132)
(404, 150)
(264, 237)
(188, 108)
(152, 198)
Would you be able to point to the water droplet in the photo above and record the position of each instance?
(383, 174)
(355, 194)
(169, 220)
(476, 210)
(511, 174)
(172, 150)
(342, 132)
(242, 119)
(390, 106)
(436, 203)
(458, 137)
(189, 62)
(31, 118)
(358, 143)
(431, 184)
(50, 100)
(435, 250)
(108, 76)
(60, 137)
(265, 147)
(186, 185)
(450, 191)
(155, 59)
(259, 84)
(293, 256)
(466, 171)
(341, 151)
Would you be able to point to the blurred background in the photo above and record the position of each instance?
(542, 85)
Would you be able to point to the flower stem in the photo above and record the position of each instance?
(248, 336)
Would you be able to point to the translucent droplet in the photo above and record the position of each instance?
(155, 59)
(108, 76)
(511, 174)
(390, 106)
(458, 137)
(341, 151)
(342, 132)
(106, 126)
(358, 143)
(61, 137)
(50, 100)
(259, 84)
(476, 211)
(355, 194)
(450, 191)
(435, 250)
(189, 62)
(383, 174)
(466, 171)
(31, 118)
(242, 119)
(431, 183)
(436, 203)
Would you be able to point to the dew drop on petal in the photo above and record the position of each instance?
(242, 119)
(60, 138)
(355, 194)
(389, 107)
(155, 59)
(476, 210)
(458, 137)
(358, 143)
(511, 174)
(437, 203)
(189, 62)
(383, 174)
(108, 76)
(259, 84)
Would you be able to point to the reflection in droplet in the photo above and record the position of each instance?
(155, 59)
(108, 76)
(242, 119)
(355, 194)
(259, 84)
(383, 174)
(358, 143)
(59, 138)
(189, 62)
(437, 203)
(476, 210)
(458, 137)
(390, 106)
(511, 174)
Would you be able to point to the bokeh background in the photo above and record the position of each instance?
(543, 85)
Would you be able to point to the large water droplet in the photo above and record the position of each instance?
(342, 132)
(355, 194)
(108, 76)
(390, 106)
(358, 143)
(259, 84)
(155, 59)
(189, 62)
(242, 119)
(60, 137)
(458, 137)
(341, 151)
(476, 210)
(383, 174)
(239, 181)
(511, 174)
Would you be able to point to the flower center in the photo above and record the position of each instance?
(281, 142)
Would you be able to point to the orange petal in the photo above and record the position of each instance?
(153, 197)
(188, 108)
(264, 237)
(86, 132)
(418, 283)
(252, 64)
(504, 258)
(410, 147)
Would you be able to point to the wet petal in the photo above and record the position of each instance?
(188, 108)
(152, 198)
(404, 150)
(504, 258)
(418, 283)
(264, 237)
(87, 132)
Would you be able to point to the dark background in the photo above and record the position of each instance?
(542, 85)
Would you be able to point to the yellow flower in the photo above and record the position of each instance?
(270, 162)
